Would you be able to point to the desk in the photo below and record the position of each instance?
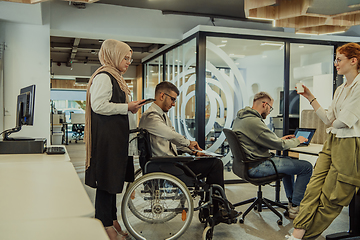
(55, 229)
(312, 149)
(41, 190)
(41, 157)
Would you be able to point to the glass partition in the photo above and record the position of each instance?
(236, 69)
(153, 75)
(180, 70)
(311, 65)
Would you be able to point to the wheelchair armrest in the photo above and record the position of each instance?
(186, 169)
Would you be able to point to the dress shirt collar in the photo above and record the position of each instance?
(157, 108)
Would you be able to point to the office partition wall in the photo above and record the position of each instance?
(219, 73)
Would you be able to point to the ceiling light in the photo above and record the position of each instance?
(224, 41)
(221, 45)
(301, 46)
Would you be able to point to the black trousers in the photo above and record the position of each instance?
(105, 207)
(211, 168)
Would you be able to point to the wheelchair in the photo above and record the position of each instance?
(160, 203)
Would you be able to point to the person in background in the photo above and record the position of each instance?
(336, 174)
(109, 116)
(165, 141)
(257, 139)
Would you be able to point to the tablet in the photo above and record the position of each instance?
(306, 133)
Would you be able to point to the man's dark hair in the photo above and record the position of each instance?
(166, 87)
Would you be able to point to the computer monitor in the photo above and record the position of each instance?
(29, 119)
(24, 113)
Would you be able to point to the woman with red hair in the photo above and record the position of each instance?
(337, 171)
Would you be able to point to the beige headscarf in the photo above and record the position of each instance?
(111, 54)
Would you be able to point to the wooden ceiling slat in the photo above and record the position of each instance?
(300, 22)
(293, 14)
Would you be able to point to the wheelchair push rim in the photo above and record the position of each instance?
(157, 206)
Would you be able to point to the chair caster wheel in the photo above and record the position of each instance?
(208, 233)
(241, 220)
(255, 208)
(279, 222)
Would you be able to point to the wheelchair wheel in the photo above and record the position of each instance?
(137, 174)
(162, 207)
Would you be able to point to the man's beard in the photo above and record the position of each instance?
(263, 115)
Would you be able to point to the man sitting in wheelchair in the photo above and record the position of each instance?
(165, 141)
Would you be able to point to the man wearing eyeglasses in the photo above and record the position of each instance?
(165, 141)
(257, 139)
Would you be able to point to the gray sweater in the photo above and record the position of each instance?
(256, 138)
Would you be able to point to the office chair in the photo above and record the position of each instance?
(241, 167)
(78, 132)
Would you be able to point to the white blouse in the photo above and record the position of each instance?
(100, 95)
(344, 111)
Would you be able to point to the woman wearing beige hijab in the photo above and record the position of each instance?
(109, 116)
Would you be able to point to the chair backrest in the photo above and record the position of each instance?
(239, 167)
(144, 145)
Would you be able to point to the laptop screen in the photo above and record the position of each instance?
(306, 133)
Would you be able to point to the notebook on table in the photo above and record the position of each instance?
(306, 133)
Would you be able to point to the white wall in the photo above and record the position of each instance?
(26, 62)
(21, 13)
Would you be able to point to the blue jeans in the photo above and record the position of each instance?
(301, 168)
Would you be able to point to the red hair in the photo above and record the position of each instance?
(350, 50)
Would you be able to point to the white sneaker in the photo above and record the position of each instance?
(293, 211)
(287, 237)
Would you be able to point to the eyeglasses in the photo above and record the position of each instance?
(130, 60)
(172, 98)
(271, 108)
(337, 61)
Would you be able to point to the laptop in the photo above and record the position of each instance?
(306, 133)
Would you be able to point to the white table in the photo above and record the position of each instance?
(35, 157)
(54, 229)
(42, 190)
(312, 149)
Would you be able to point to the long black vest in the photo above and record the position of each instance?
(110, 166)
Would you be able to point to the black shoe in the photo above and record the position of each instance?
(225, 217)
